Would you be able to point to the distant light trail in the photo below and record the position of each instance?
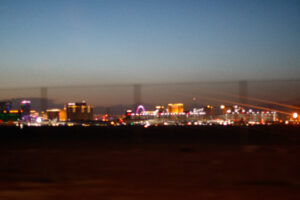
(248, 105)
(262, 100)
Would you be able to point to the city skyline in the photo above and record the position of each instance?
(149, 99)
(84, 114)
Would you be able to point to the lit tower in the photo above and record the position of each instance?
(25, 109)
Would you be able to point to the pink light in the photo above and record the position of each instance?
(140, 107)
(25, 102)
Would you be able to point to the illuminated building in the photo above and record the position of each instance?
(34, 114)
(208, 109)
(198, 111)
(52, 114)
(56, 115)
(25, 109)
(79, 112)
(63, 115)
(226, 109)
(128, 114)
(5, 106)
(12, 115)
(160, 109)
(175, 108)
(7, 114)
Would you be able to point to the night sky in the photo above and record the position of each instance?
(93, 42)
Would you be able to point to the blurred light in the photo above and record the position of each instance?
(295, 115)
(25, 102)
(147, 125)
(222, 107)
(13, 111)
(38, 120)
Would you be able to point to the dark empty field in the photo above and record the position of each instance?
(259, 162)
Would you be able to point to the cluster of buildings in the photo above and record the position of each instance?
(80, 113)
(223, 115)
(72, 112)
(8, 114)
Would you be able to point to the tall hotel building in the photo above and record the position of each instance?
(175, 108)
(79, 111)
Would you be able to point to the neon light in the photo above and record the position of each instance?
(140, 107)
(25, 102)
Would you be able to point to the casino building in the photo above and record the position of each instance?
(175, 108)
(79, 111)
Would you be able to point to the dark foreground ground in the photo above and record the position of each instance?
(154, 163)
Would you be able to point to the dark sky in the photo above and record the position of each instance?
(93, 42)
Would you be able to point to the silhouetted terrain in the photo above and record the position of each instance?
(259, 162)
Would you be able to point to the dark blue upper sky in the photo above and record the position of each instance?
(88, 42)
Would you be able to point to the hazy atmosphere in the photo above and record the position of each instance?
(46, 43)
